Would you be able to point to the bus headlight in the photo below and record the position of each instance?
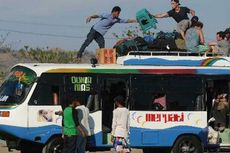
(4, 113)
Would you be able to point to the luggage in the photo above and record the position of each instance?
(106, 55)
(124, 46)
(167, 35)
(163, 45)
(165, 41)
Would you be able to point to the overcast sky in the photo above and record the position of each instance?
(61, 23)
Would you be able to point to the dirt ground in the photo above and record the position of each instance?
(3, 149)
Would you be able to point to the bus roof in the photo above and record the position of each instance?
(125, 69)
(148, 62)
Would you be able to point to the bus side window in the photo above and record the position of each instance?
(45, 94)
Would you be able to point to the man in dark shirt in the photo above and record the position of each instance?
(180, 15)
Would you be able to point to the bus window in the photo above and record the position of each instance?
(47, 91)
(167, 93)
(145, 91)
(84, 87)
(45, 94)
(17, 85)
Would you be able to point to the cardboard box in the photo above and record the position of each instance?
(106, 55)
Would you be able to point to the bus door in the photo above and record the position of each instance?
(218, 97)
(85, 87)
(110, 87)
(43, 120)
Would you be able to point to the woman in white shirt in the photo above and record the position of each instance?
(120, 126)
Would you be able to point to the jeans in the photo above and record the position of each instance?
(92, 35)
(80, 144)
(69, 144)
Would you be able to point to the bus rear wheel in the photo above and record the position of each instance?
(55, 145)
(187, 144)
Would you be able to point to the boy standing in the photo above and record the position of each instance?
(71, 127)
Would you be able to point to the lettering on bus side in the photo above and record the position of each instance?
(165, 117)
(81, 83)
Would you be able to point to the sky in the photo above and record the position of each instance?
(61, 23)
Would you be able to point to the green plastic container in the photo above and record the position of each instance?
(146, 20)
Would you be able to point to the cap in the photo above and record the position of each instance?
(194, 19)
(177, 1)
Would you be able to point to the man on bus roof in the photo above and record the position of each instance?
(180, 15)
(98, 30)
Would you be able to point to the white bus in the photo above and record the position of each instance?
(170, 98)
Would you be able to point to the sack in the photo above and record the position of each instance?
(123, 48)
(180, 43)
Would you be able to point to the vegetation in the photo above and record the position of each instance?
(26, 54)
(2, 76)
(133, 32)
(48, 56)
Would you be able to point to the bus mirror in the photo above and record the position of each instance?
(19, 89)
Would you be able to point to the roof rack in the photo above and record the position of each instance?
(172, 53)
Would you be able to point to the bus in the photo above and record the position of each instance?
(169, 95)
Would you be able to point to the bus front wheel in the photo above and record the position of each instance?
(55, 145)
(187, 144)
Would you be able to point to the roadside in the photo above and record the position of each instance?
(4, 149)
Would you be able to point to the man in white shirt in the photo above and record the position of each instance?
(120, 126)
(83, 118)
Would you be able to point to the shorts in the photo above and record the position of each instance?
(183, 25)
(120, 144)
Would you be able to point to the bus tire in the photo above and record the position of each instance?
(146, 150)
(30, 147)
(188, 144)
(55, 145)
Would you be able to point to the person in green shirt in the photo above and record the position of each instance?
(71, 127)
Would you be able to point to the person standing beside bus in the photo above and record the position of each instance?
(83, 117)
(71, 127)
(120, 126)
(97, 32)
(180, 15)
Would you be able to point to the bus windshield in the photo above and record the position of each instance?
(16, 85)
